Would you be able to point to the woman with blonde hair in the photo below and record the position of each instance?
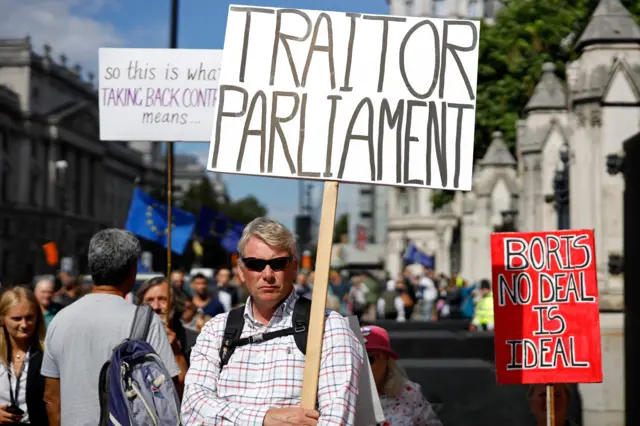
(402, 401)
(21, 347)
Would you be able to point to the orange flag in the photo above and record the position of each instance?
(51, 251)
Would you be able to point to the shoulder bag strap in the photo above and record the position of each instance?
(141, 323)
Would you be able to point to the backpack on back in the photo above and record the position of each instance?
(135, 388)
(235, 324)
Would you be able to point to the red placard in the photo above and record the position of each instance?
(545, 298)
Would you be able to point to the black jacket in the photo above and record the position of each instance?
(35, 390)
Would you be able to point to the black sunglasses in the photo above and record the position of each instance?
(258, 265)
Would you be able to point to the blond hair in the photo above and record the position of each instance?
(395, 379)
(271, 232)
(9, 299)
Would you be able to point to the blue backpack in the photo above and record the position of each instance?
(135, 388)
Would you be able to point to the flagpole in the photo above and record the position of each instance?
(173, 44)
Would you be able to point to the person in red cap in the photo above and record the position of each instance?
(402, 401)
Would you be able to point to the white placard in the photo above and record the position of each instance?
(350, 97)
(368, 408)
(158, 94)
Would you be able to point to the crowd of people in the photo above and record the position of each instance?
(417, 294)
(54, 343)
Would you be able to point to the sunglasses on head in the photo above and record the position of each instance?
(258, 265)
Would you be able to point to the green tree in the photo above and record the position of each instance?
(512, 50)
(245, 209)
(158, 194)
(441, 197)
(341, 227)
(202, 194)
(199, 194)
(526, 34)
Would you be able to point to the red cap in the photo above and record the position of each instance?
(377, 339)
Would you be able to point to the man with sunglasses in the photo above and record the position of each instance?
(260, 382)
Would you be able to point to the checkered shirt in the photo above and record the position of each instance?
(269, 374)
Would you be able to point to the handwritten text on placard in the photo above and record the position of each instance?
(343, 96)
(546, 307)
(158, 94)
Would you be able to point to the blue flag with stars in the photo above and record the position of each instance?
(148, 219)
(215, 225)
(413, 254)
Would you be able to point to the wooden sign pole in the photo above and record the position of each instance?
(551, 415)
(319, 296)
(173, 44)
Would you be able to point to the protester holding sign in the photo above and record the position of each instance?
(256, 378)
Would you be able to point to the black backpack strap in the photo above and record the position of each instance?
(301, 316)
(141, 323)
(103, 394)
(232, 332)
(235, 324)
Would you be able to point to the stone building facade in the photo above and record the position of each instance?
(473, 9)
(188, 169)
(371, 208)
(58, 181)
(588, 118)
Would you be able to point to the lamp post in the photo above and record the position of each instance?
(509, 218)
(173, 44)
(561, 189)
(61, 175)
(616, 164)
(623, 163)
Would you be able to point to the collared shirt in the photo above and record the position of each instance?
(8, 385)
(269, 374)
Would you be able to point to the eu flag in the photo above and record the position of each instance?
(148, 219)
(414, 255)
(215, 225)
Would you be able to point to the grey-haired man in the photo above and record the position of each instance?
(82, 336)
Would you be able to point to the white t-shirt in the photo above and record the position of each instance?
(429, 292)
(80, 339)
